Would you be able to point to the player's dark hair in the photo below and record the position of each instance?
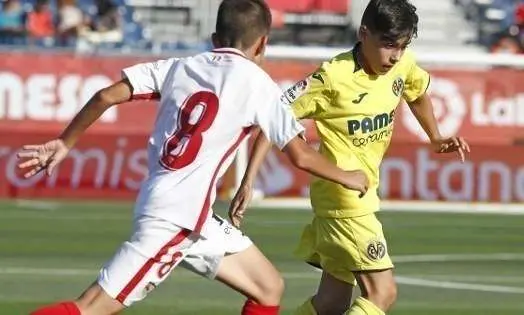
(241, 22)
(391, 19)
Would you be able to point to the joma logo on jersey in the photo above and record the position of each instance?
(370, 124)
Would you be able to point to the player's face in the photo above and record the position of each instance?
(382, 54)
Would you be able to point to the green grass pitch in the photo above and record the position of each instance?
(447, 264)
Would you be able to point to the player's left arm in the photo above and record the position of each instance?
(141, 81)
(419, 102)
(48, 155)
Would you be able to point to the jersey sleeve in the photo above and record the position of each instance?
(277, 121)
(310, 97)
(147, 78)
(417, 82)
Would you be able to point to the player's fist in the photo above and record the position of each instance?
(239, 204)
(357, 180)
(453, 144)
(39, 157)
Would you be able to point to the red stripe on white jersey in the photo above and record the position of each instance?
(131, 285)
(207, 203)
(225, 51)
(146, 96)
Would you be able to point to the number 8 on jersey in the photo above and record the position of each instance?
(195, 117)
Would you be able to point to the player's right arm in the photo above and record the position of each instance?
(141, 79)
(310, 103)
(308, 98)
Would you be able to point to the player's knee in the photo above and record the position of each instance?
(383, 295)
(270, 291)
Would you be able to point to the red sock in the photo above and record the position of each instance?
(252, 308)
(66, 308)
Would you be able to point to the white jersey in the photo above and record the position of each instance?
(208, 103)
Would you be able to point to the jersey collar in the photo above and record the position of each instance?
(232, 51)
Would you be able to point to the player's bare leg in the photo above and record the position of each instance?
(379, 292)
(333, 296)
(94, 301)
(250, 273)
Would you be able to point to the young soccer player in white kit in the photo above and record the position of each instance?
(208, 104)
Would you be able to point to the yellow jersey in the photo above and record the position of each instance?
(354, 115)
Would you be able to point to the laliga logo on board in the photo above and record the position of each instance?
(448, 104)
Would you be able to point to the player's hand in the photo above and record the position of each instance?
(357, 180)
(453, 144)
(39, 157)
(239, 204)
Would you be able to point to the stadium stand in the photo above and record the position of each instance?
(160, 25)
(498, 23)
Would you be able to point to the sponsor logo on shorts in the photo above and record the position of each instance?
(376, 250)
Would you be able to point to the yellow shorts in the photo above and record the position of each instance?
(341, 246)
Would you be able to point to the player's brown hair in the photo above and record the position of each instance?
(391, 19)
(241, 22)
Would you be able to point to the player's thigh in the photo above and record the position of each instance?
(145, 261)
(230, 257)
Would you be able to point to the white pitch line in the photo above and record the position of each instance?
(315, 275)
(404, 206)
(289, 275)
(458, 257)
(458, 285)
(45, 271)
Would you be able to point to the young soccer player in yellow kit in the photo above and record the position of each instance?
(353, 98)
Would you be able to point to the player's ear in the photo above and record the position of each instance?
(261, 46)
(215, 41)
(362, 33)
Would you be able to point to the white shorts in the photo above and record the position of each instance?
(157, 246)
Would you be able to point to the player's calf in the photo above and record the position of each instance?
(95, 301)
(250, 273)
(64, 308)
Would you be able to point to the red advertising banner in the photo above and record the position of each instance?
(46, 90)
(39, 93)
(114, 168)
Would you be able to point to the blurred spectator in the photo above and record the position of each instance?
(511, 40)
(11, 21)
(107, 17)
(40, 25)
(106, 25)
(70, 21)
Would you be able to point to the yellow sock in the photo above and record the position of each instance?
(361, 306)
(306, 309)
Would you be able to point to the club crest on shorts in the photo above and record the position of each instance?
(294, 92)
(398, 86)
(376, 250)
